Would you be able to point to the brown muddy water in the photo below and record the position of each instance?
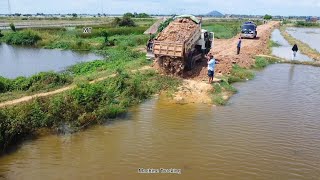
(310, 36)
(269, 130)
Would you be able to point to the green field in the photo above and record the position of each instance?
(224, 29)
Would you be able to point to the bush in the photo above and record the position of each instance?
(12, 27)
(5, 84)
(124, 21)
(164, 24)
(22, 38)
(306, 24)
(1, 35)
(267, 17)
(130, 15)
(41, 81)
(261, 63)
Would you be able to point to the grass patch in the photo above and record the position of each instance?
(273, 44)
(218, 100)
(40, 81)
(222, 91)
(224, 29)
(306, 24)
(239, 74)
(261, 63)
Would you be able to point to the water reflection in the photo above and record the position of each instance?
(291, 72)
(20, 61)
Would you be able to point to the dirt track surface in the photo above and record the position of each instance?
(196, 90)
(61, 90)
(224, 50)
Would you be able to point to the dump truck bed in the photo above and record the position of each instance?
(177, 49)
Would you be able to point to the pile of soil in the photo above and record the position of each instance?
(179, 30)
(171, 65)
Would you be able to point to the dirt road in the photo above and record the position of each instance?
(224, 51)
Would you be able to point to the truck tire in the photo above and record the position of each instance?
(190, 60)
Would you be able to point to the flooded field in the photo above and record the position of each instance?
(310, 36)
(19, 61)
(284, 50)
(270, 130)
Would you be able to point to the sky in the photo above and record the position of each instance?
(249, 7)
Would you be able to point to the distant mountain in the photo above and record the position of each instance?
(215, 14)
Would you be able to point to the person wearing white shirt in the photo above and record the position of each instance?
(211, 64)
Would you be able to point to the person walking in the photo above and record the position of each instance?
(211, 64)
(239, 45)
(294, 50)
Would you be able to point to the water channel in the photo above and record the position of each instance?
(21, 61)
(310, 36)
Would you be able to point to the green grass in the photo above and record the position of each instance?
(78, 108)
(25, 38)
(306, 24)
(218, 100)
(262, 62)
(239, 74)
(224, 29)
(75, 39)
(40, 81)
(222, 91)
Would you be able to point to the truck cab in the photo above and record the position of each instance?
(206, 41)
(249, 30)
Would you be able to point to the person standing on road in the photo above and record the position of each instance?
(211, 64)
(239, 46)
(294, 50)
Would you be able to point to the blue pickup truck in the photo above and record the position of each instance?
(249, 30)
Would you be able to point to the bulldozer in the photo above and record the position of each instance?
(181, 44)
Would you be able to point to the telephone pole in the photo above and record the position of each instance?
(9, 7)
(101, 7)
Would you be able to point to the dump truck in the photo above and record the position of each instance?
(181, 44)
